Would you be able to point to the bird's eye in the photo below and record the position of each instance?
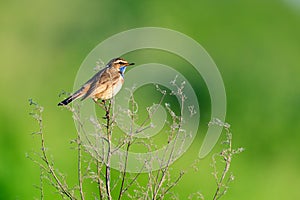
(122, 63)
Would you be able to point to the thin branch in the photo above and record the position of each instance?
(80, 180)
(172, 185)
(80, 127)
(62, 188)
(124, 171)
(227, 159)
(165, 169)
(150, 114)
(121, 191)
(99, 182)
(227, 155)
(107, 168)
(133, 180)
(41, 183)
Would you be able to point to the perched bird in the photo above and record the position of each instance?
(104, 84)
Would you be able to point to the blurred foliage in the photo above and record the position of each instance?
(256, 46)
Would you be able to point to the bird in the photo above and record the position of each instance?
(104, 85)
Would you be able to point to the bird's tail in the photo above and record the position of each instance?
(70, 99)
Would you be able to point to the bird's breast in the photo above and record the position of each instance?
(117, 87)
(111, 89)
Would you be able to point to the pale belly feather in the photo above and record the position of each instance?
(110, 91)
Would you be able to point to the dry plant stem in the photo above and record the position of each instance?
(108, 131)
(80, 180)
(149, 185)
(227, 159)
(172, 185)
(99, 167)
(124, 171)
(150, 114)
(124, 189)
(133, 180)
(140, 129)
(127, 147)
(80, 127)
(41, 184)
(62, 188)
(76, 116)
(108, 127)
(165, 169)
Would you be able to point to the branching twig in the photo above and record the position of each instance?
(172, 185)
(150, 114)
(160, 183)
(41, 183)
(80, 180)
(109, 134)
(133, 103)
(99, 181)
(177, 130)
(63, 188)
(226, 154)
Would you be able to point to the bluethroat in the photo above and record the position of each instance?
(104, 85)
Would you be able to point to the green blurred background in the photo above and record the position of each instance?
(256, 46)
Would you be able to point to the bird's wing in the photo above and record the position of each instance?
(91, 84)
(100, 82)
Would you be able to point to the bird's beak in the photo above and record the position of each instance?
(130, 63)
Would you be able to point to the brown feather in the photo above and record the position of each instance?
(103, 85)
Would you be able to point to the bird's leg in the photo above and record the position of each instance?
(104, 104)
(107, 108)
(98, 103)
(101, 104)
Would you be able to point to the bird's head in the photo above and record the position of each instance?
(120, 64)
